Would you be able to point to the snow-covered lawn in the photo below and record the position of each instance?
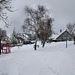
(53, 59)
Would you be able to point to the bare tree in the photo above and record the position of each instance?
(5, 5)
(71, 29)
(45, 31)
(37, 22)
(14, 34)
(2, 33)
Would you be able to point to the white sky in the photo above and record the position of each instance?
(61, 10)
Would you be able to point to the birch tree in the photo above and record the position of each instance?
(38, 22)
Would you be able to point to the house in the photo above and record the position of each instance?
(21, 37)
(64, 36)
(6, 39)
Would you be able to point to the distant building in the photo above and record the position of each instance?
(6, 39)
(65, 36)
(21, 37)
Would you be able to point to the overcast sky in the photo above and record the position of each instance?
(63, 12)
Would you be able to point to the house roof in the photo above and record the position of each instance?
(20, 38)
(63, 33)
(22, 35)
(55, 36)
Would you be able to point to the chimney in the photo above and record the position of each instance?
(60, 30)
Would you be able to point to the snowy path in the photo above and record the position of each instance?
(54, 59)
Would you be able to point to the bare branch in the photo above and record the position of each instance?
(5, 4)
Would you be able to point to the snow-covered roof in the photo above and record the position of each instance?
(54, 36)
(22, 35)
(9, 35)
(3, 42)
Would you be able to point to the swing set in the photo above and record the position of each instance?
(5, 49)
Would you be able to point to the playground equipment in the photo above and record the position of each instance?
(5, 48)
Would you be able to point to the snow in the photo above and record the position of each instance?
(54, 36)
(53, 59)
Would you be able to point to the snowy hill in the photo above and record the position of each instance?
(54, 59)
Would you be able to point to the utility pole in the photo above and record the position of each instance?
(66, 39)
(66, 43)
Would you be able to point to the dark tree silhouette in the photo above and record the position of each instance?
(71, 29)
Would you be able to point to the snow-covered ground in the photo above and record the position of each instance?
(53, 59)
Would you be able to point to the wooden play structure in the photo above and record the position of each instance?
(5, 49)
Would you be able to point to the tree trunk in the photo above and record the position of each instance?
(43, 44)
(35, 45)
(66, 43)
(74, 40)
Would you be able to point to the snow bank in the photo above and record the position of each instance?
(53, 59)
(8, 67)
